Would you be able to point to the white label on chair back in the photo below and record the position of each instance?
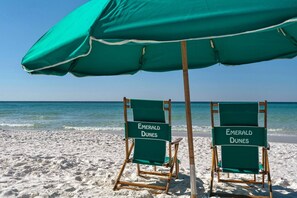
(235, 133)
(149, 130)
(153, 135)
(241, 135)
(148, 127)
(238, 132)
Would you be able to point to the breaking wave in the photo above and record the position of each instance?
(16, 125)
(94, 128)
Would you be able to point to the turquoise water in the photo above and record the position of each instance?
(108, 116)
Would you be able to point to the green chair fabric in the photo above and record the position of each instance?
(155, 163)
(240, 158)
(237, 139)
(148, 115)
(149, 151)
(245, 171)
(148, 110)
(240, 114)
(147, 104)
(149, 133)
(148, 130)
(239, 135)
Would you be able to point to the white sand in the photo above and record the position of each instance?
(85, 164)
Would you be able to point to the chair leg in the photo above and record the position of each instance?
(269, 178)
(176, 161)
(265, 166)
(263, 178)
(169, 178)
(176, 169)
(216, 162)
(172, 168)
(119, 176)
(138, 169)
(270, 185)
(219, 176)
(212, 172)
(211, 183)
(123, 167)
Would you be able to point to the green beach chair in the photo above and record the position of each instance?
(148, 136)
(238, 138)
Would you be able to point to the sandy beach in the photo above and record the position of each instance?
(85, 164)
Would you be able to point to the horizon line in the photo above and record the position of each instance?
(119, 101)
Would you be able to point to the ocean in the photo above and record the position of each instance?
(108, 116)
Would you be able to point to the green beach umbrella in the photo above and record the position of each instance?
(113, 37)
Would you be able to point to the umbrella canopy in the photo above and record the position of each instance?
(110, 37)
(113, 37)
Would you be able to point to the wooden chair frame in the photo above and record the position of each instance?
(129, 147)
(216, 169)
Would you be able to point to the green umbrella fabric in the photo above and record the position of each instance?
(112, 37)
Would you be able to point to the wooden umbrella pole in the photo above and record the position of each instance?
(189, 119)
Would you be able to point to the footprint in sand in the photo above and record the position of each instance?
(9, 193)
(71, 189)
(49, 186)
(78, 178)
(20, 164)
(9, 173)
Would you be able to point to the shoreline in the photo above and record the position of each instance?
(290, 139)
(277, 138)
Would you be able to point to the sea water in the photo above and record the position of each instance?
(108, 116)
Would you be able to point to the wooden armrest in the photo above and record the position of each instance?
(176, 141)
(267, 147)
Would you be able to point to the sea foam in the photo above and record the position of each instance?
(94, 128)
(179, 128)
(16, 125)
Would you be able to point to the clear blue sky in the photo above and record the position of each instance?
(24, 21)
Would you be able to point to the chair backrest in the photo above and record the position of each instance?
(238, 114)
(149, 129)
(148, 110)
(239, 134)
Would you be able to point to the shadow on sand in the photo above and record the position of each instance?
(257, 190)
(181, 186)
